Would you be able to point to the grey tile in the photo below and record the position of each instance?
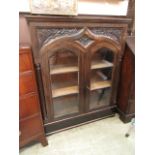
(103, 137)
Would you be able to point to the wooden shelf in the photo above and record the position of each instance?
(100, 85)
(101, 64)
(63, 69)
(65, 91)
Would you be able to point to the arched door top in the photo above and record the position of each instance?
(104, 43)
(62, 44)
(82, 40)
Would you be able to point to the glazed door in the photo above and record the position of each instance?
(101, 75)
(62, 78)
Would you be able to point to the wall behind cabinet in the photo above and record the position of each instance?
(93, 7)
(24, 36)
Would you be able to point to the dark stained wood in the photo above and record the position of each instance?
(79, 18)
(30, 121)
(46, 73)
(126, 95)
(71, 122)
(93, 49)
(130, 41)
(83, 36)
(131, 14)
(41, 93)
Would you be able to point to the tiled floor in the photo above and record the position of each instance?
(103, 137)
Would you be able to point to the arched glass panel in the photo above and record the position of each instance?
(102, 63)
(64, 73)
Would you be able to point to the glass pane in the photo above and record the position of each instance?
(102, 56)
(101, 75)
(66, 105)
(64, 73)
(64, 84)
(63, 61)
(100, 98)
(101, 78)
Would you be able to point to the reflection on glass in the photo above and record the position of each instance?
(101, 78)
(63, 62)
(100, 98)
(64, 84)
(66, 105)
(64, 73)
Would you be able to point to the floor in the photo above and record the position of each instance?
(103, 137)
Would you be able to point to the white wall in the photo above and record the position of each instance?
(94, 7)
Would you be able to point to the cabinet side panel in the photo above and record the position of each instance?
(126, 78)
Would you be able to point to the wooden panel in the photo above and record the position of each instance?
(30, 127)
(131, 106)
(65, 91)
(132, 99)
(101, 64)
(126, 94)
(76, 31)
(28, 105)
(100, 84)
(25, 63)
(59, 70)
(26, 83)
(127, 71)
(79, 120)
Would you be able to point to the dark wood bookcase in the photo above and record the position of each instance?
(77, 63)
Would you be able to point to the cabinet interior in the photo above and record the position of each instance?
(64, 73)
(101, 78)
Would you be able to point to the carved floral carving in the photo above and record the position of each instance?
(44, 35)
(111, 33)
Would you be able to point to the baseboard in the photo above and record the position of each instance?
(78, 120)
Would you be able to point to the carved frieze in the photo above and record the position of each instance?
(44, 35)
(112, 33)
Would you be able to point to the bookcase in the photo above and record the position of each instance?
(77, 63)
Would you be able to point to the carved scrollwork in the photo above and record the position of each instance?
(44, 35)
(111, 33)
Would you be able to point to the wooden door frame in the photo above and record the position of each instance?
(93, 48)
(47, 51)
